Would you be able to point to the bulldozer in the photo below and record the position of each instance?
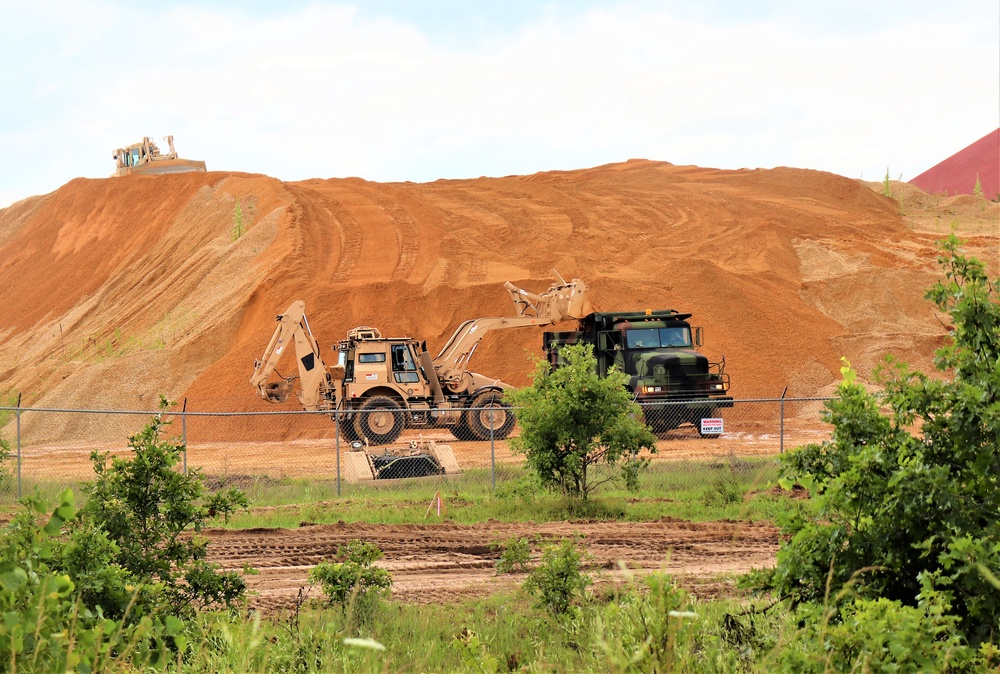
(145, 158)
(380, 385)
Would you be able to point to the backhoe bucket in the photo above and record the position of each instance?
(276, 391)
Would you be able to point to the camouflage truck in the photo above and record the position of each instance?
(656, 349)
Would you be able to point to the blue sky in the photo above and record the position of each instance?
(421, 90)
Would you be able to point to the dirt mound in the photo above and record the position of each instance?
(120, 289)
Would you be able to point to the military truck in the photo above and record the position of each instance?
(656, 349)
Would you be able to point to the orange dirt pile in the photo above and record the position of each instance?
(117, 290)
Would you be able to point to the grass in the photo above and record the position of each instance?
(699, 491)
(681, 490)
(498, 633)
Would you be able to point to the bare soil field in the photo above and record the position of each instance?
(447, 561)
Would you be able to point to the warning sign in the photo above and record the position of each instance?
(711, 426)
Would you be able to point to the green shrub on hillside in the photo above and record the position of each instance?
(908, 488)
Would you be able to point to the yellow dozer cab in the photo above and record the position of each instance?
(145, 158)
(383, 385)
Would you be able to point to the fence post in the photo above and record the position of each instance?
(17, 415)
(781, 428)
(336, 435)
(493, 455)
(184, 435)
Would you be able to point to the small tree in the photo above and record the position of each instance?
(572, 419)
(907, 488)
(977, 189)
(147, 509)
(353, 579)
(886, 187)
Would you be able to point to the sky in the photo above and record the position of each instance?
(418, 90)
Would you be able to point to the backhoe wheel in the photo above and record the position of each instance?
(489, 411)
(380, 419)
(461, 429)
(349, 427)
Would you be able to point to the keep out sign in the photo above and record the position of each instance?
(711, 426)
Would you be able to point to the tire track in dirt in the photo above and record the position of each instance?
(407, 233)
(440, 562)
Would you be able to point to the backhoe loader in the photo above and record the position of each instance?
(383, 385)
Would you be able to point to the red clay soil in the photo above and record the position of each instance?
(958, 173)
(117, 290)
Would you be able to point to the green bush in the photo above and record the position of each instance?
(571, 419)
(556, 583)
(908, 485)
(152, 513)
(515, 554)
(352, 580)
(52, 576)
(878, 635)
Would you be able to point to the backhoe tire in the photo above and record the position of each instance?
(380, 420)
(461, 429)
(490, 416)
(349, 428)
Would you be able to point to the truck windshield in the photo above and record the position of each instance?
(657, 338)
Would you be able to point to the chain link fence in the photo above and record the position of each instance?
(51, 449)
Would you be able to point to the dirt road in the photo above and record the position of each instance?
(447, 561)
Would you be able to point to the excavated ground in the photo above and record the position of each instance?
(119, 290)
(447, 562)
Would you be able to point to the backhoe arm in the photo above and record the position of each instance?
(452, 363)
(561, 301)
(313, 376)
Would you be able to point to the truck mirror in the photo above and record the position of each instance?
(697, 337)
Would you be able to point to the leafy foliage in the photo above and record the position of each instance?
(353, 578)
(878, 635)
(908, 488)
(514, 556)
(643, 629)
(54, 579)
(150, 510)
(5, 476)
(557, 581)
(572, 419)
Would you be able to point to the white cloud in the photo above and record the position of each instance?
(326, 91)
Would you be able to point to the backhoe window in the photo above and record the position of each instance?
(404, 370)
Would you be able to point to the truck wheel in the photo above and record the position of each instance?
(380, 420)
(489, 410)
